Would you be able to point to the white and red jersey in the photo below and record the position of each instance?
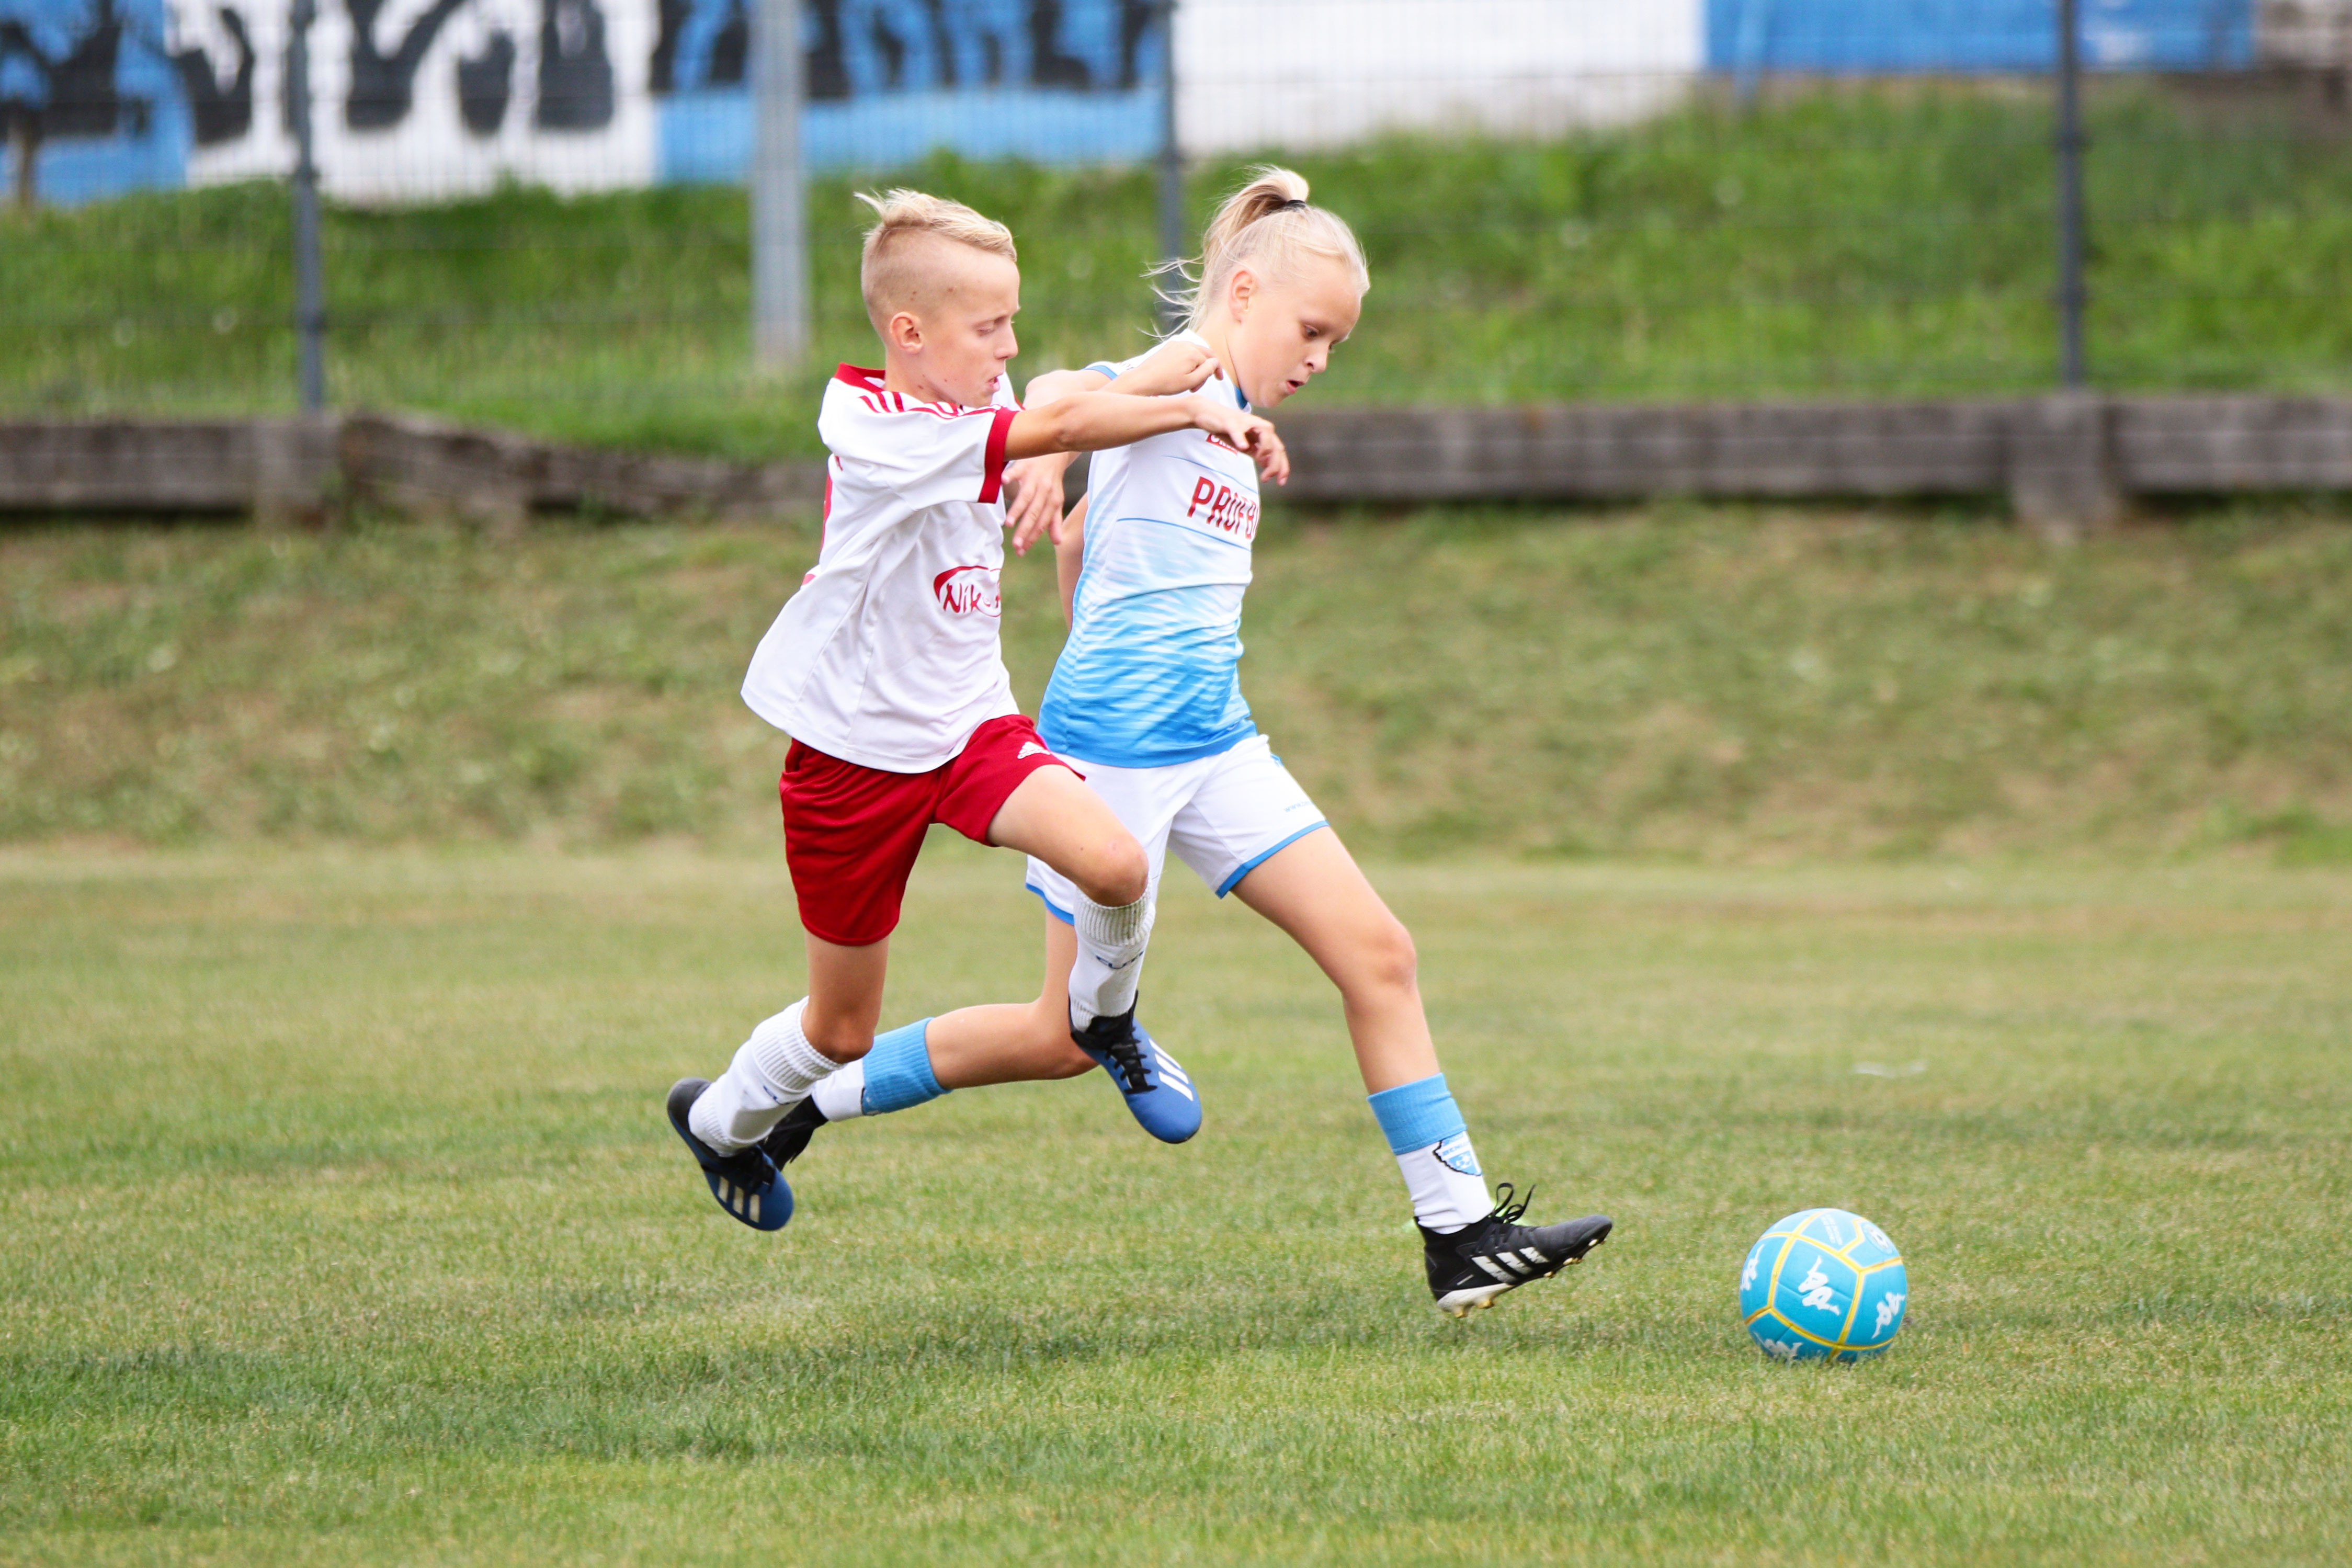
(888, 655)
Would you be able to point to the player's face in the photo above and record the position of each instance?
(966, 336)
(1288, 328)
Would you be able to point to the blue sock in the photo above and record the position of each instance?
(1415, 1115)
(898, 1070)
(1432, 1145)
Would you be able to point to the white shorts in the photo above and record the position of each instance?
(1222, 814)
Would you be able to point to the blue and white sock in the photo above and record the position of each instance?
(1432, 1145)
(895, 1074)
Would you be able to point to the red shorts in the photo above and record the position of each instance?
(852, 833)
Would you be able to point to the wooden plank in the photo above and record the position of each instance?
(1598, 452)
(2227, 444)
(2054, 456)
(124, 465)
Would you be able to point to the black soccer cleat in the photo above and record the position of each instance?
(788, 1140)
(745, 1184)
(1470, 1266)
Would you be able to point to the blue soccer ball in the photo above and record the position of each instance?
(1823, 1282)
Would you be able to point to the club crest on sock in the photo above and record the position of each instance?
(1455, 1154)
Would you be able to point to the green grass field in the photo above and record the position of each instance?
(1862, 243)
(1725, 683)
(341, 1226)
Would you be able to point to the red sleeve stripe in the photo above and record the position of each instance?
(992, 479)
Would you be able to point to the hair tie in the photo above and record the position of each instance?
(1295, 205)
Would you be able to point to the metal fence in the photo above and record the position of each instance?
(563, 215)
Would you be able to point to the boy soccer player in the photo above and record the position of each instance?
(886, 671)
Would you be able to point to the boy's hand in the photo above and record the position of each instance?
(1244, 433)
(1174, 366)
(1033, 503)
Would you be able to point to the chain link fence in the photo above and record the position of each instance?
(534, 211)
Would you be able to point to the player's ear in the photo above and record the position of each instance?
(904, 332)
(1241, 292)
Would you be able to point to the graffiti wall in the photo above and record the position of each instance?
(427, 98)
(424, 98)
(1884, 37)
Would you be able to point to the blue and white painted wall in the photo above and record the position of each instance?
(430, 98)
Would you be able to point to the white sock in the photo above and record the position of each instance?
(772, 1073)
(1110, 965)
(843, 1094)
(1449, 1190)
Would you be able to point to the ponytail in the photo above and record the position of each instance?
(1269, 222)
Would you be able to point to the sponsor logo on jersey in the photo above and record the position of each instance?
(968, 591)
(1031, 749)
(1223, 509)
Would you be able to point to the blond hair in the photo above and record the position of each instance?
(889, 271)
(1269, 225)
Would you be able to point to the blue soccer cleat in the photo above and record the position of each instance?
(1157, 1089)
(747, 1184)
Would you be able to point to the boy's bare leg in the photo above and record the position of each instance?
(1013, 1042)
(845, 996)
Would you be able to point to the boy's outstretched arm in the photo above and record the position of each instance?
(1091, 421)
(1176, 366)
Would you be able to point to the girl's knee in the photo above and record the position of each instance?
(1386, 960)
(1116, 875)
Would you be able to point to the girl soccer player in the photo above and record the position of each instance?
(1146, 701)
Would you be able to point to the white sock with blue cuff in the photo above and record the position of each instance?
(1432, 1145)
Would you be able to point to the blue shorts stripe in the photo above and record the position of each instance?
(1053, 909)
(1260, 858)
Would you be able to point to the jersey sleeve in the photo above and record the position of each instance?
(922, 453)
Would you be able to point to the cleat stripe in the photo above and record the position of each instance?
(754, 1210)
(1183, 1089)
(1489, 1266)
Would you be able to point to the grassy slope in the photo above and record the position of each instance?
(1728, 683)
(343, 1228)
(1873, 242)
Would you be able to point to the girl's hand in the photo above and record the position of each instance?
(1174, 366)
(1033, 503)
(1244, 433)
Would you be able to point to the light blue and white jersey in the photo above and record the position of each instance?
(1150, 673)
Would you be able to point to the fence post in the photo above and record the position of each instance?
(780, 315)
(1173, 228)
(309, 284)
(2072, 293)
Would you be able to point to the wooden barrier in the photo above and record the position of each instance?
(2063, 461)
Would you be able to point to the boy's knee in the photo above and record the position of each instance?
(1071, 1063)
(1052, 1051)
